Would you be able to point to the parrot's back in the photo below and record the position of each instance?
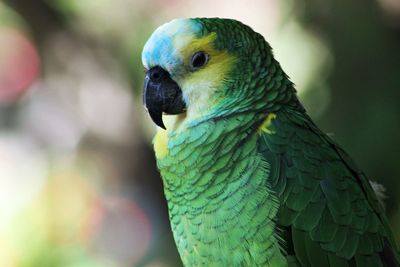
(328, 212)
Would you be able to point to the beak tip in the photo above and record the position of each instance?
(157, 118)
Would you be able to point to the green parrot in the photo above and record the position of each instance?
(249, 179)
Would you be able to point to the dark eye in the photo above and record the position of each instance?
(199, 59)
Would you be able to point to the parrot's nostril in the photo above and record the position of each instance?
(155, 76)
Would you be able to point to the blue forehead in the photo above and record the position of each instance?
(161, 48)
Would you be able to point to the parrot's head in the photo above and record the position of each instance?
(205, 66)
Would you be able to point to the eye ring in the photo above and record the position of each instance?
(198, 60)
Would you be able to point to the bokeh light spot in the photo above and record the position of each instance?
(19, 64)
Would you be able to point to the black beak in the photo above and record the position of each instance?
(161, 94)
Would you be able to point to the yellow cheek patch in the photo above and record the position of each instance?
(219, 64)
(199, 86)
(267, 122)
(216, 70)
(161, 144)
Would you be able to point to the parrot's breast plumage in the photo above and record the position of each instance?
(218, 197)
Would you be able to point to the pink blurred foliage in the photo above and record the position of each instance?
(19, 64)
(119, 229)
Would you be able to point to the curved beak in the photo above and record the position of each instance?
(161, 94)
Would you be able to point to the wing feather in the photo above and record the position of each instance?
(325, 201)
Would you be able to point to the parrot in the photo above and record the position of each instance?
(249, 178)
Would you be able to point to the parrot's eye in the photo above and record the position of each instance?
(199, 59)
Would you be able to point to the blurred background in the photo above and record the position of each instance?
(78, 183)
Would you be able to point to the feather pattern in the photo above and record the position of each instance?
(331, 210)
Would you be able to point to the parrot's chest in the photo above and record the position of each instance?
(225, 234)
(221, 210)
